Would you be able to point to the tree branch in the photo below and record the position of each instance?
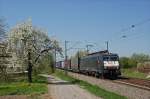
(45, 50)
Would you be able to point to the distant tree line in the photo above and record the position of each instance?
(132, 61)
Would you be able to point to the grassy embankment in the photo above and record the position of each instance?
(94, 89)
(133, 74)
(22, 87)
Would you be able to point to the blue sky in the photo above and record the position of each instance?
(87, 21)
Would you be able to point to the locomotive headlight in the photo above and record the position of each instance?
(117, 67)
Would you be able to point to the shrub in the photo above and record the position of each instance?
(129, 62)
(126, 62)
(45, 64)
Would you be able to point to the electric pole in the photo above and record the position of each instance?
(66, 66)
(107, 45)
(78, 60)
(54, 64)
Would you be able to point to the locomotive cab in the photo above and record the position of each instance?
(111, 65)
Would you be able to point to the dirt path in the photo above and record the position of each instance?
(59, 89)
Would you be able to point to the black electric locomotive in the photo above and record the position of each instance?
(98, 64)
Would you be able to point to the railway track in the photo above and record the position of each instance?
(135, 82)
(132, 91)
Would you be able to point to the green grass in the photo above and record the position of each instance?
(24, 88)
(133, 73)
(94, 89)
(39, 79)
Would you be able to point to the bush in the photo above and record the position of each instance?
(129, 62)
(132, 63)
(126, 62)
(44, 65)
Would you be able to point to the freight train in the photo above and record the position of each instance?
(100, 64)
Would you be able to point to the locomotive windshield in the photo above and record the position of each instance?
(110, 58)
(113, 58)
(106, 58)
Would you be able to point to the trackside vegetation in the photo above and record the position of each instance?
(94, 89)
(133, 74)
(135, 66)
(132, 61)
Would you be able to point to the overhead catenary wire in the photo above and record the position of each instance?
(137, 24)
(122, 33)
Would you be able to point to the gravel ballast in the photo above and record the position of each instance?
(125, 90)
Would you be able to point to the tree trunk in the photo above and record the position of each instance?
(53, 69)
(53, 66)
(29, 68)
